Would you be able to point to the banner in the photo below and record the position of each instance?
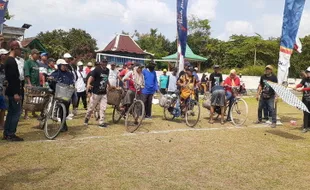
(182, 30)
(293, 10)
(3, 9)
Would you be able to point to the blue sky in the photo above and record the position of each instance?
(104, 18)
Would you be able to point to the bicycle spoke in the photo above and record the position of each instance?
(239, 112)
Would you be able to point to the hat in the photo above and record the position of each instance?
(51, 60)
(187, 64)
(35, 51)
(67, 56)
(233, 71)
(196, 68)
(3, 51)
(89, 64)
(308, 70)
(165, 70)
(129, 63)
(43, 54)
(216, 66)
(113, 63)
(269, 67)
(80, 63)
(61, 62)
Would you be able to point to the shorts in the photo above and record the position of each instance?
(218, 98)
(3, 103)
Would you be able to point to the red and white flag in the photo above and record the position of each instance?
(298, 45)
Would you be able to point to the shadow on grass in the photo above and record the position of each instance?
(285, 135)
(9, 180)
(289, 118)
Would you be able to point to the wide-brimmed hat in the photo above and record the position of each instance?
(80, 63)
(3, 51)
(61, 62)
(67, 56)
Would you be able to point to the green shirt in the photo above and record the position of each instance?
(32, 71)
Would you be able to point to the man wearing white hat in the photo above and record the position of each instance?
(89, 68)
(81, 86)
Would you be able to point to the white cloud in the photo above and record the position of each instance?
(270, 25)
(258, 4)
(304, 28)
(236, 27)
(204, 9)
(155, 11)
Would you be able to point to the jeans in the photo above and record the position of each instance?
(266, 111)
(306, 115)
(271, 108)
(84, 97)
(12, 118)
(231, 100)
(74, 100)
(148, 100)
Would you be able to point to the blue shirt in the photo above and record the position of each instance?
(163, 81)
(151, 84)
(63, 77)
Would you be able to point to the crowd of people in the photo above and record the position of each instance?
(92, 83)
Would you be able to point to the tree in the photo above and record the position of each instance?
(78, 42)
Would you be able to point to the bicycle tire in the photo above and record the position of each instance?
(167, 114)
(52, 117)
(189, 112)
(45, 112)
(116, 119)
(236, 111)
(136, 110)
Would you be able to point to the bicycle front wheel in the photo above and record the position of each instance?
(117, 114)
(54, 121)
(168, 115)
(239, 112)
(192, 113)
(135, 116)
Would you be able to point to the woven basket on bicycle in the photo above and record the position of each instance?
(64, 92)
(35, 98)
(115, 96)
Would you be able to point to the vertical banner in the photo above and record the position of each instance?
(182, 30)
(3, 9)
(293, 10)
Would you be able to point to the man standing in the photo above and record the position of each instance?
(13, 91)
(89, 68)
(151, 86)
(216, 78)
(98, 82)
(51, 66)
(163, 82)
(43, 66)
(266, 95)
(32, 76)
(172, 81)
(80, 86)
(113, 76)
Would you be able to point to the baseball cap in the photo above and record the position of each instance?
(89, 64)
(80, 63)
(61, 62)
(165, 70)
(51, 60)
(269, 67)
(67, 56)
(35, 51)
(43, 54)
(3, 51)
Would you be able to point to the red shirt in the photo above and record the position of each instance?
(229, 81)
(87, 70)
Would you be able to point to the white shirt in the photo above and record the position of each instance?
(20, 63)
(172, 86)
(113, 77)
(80, 84)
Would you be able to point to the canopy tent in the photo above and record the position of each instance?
(189, 55)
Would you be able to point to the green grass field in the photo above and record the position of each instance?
(161, 155)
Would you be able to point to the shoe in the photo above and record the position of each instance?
(69, 118)
(71, 115)
(148, 118)
(258, 122)
(86, 121)
(305, 130)
(64, 128)
(14, 138)
(268, 122)
(228, 119)
(274, 125)
(103, 125)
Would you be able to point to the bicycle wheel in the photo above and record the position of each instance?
(168, 115)
(134, 116)
(239, 112)
(55, 121)
(47, 107)
(117, 114)
(192, 113)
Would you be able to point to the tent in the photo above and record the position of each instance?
(189, 55)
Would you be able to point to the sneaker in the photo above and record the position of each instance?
(258, 122)
(268, 122)
(86, 121)
(305, 130)
(14, 138)
(69, 118)
(103, 125)
(274, 125)
(71, 115)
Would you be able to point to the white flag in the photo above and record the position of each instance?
(298, 45)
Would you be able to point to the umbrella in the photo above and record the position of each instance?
(287, 96)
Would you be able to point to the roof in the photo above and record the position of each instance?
(189, 55)
(27, 41)
(32, 43)
(124, 43)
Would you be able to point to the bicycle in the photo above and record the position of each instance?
(174, 109)
(54, 114)
(136, 111)
(239, 110)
